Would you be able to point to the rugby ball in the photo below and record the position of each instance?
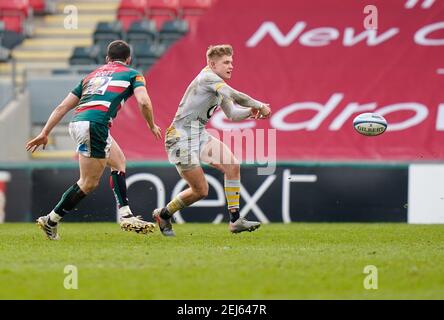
(370, 124)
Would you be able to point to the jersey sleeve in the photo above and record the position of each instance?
(233, 112)
(138, 80)
(240, 98)
(214, 83)
(77, 91)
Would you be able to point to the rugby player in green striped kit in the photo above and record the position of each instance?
(96, 102)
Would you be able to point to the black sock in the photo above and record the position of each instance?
(234, 215)
(118, 184)
(69, 200)
(164, 214)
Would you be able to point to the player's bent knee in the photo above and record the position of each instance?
(89, 186)
(202, 192)
(118, 164)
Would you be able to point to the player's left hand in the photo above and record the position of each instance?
(263, 113)
(157, 132)
(254, 113)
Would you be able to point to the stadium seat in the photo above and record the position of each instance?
(101, 49)
(132, 6)
(142, 31)
(147, 55)
(193, 7)
(163, 7)
(130, 11)
(5, 54)
(108, 31)
(142, 66)
(84, 55)
(14, 14)
(172, 31)
(162, 10)
(10, 39)
(13, 23)
(38, 6)
(192, 10)
(81, 70)
(16, 5)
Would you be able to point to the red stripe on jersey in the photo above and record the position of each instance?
(115, 89)
(115, 67)
(95, 107)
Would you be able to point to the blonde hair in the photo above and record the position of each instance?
(219, 51)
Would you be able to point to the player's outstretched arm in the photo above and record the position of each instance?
(240, 98)
(70, 102)
(263, 109)
(234, 113)
(145, 106)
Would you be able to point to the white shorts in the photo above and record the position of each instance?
(92, 138)
(185, 152)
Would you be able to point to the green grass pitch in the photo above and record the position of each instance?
(205, 261)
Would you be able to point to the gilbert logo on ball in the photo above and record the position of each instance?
(370, 124)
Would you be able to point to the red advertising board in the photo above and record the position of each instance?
(319, 63)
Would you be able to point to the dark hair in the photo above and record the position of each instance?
(118, 50)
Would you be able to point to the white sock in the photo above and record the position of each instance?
(124, 211)
(54, 217)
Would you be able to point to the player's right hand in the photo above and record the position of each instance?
(157, 132)
(41, 139)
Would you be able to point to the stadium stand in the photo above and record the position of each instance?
(141, 33)
(10, 39)
(6, 93)
(192, 10)
(144, 31)
(4, 52)
(172, 31)
(14, 118)
(108, 31)
(38, 6)
(41, 7)
(48, 51)
(162, 10)
(193, 7)
(84, 55)
(130, 11)
(42, 105)
(146, 55)
(157, 23)
(35, 40)
(17, 16)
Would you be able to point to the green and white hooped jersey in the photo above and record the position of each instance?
(104, 91)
